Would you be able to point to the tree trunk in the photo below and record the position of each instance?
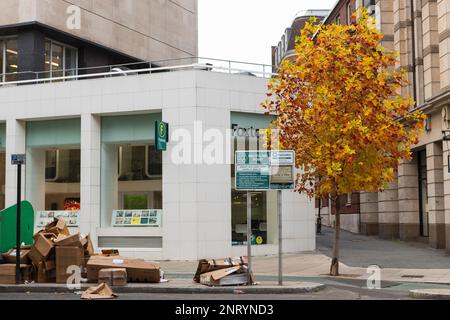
(334, 269)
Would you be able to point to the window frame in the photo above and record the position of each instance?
(64, 46)
(349, 12)
(3, 41)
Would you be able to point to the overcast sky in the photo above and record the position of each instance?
(245, 30)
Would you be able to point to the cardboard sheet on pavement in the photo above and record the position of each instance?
(102, 291)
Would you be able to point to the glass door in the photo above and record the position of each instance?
(423, 194)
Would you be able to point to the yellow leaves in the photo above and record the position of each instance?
(349, 151)
(339, 107)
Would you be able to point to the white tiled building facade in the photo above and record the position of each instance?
(96, 115)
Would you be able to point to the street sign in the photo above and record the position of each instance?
(264, 170)
(161, 135)
(18, 159)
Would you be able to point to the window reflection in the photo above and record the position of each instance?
(12, 60)
(60, 60)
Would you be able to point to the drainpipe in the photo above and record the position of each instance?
(413, 45)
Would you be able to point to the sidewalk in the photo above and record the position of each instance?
(399, 261)
(316, 264)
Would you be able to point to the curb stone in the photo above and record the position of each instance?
(442, 294)
(190, 288)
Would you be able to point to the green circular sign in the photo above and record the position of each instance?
(162, 130)
(259, 240)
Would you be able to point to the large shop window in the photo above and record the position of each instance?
(60, 60)
(62, 176)
(264, 203)
(8, 60)
(138, 193)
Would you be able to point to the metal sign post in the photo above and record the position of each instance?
(19, 160)
(249, 235)
(280, 240)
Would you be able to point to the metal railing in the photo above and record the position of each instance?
(139, 68)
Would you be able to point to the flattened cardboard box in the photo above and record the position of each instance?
(8, 273)
(137, 270)
(205, 266)
(10, 256)
(65, 257)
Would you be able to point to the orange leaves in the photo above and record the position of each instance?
(339, 108)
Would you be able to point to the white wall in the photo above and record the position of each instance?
(196, 197)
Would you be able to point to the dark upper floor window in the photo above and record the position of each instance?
(60, 60)
(370, 5)
(8, 59)
(349, 13)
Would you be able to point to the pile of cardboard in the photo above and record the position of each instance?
(54, 250)
(56, 253)
(224, 272)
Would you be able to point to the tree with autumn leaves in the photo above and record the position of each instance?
(338, 106)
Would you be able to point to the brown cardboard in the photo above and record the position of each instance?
(43, 275)
(110, 252)
(88, 248)
(58, 226)
(35, 256)
(113, 276)
(65, 257)
(8, 273)
(210, 278)
(71, 241)
(205, 266)
(10, 256)
(102, 291)
(44, 244)
(50, 265)
(137, 270)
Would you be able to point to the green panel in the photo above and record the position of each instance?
(161, 135)
(66, 132)
(131, 128)
(249, 120)
(135, 201)
(2, 136)
(8, 226)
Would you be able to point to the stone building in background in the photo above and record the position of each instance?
(416, 206)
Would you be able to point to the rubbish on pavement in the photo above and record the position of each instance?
(8, 273)
(223, 272)
(102, 291)
(55, 250)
